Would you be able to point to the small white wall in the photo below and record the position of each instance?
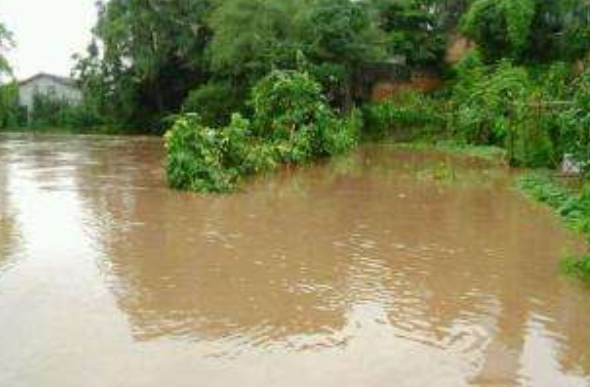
(47, 86)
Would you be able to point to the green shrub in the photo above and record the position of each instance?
(292, 124)
(408, 113)
(285, 102)
(50, 112)
(501, 28)
(203, 159)
(195, 158)
(11, 114)
(291, 111)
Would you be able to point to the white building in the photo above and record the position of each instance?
(52, 86)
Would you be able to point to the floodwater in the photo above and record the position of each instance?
(389, 267)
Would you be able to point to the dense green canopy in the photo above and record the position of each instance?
(153, 58)
(529, 30)
(148, 56)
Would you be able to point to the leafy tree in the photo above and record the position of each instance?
(146, 56)
(250, 37)
(214, 102)
(415, 29)
(501, 28)
(10, 114)
(338, 36)
(575, 122)
(6, 43)
(292, 123)
(529, 30)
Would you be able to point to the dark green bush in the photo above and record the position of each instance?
(291, 111)
(214, 102)
(12, 115)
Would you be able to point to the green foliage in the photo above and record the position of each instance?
(574, 209)
(251, 37)
(415, 30)
(529, 30)
(292, 124)
(290, 110)
(214, 102)
(409, 113)
(151, 59)
(337, 37)
(6, 43)
(11, 114)
(203, 159)
(560, 31)
(486, 100)
(501, 28)
(50, 113)
(510, 106)
(284, 101)
(145, 58)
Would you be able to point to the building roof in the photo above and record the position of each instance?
(65, 81)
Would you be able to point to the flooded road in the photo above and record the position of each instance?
(386, 268)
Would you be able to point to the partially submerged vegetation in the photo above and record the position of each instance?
(573, 206)
(291, 124)
(536, 114)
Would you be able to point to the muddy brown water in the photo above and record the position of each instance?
(388, 267)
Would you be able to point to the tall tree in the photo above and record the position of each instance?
(146, 56)
(529, 30)
(338, 36)
(9, 109)
(415, 29)
(252, 36)
(6, 42)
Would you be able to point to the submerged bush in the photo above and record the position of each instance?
(195, 158)
(292, 123)
(291, 112)
(213, 160)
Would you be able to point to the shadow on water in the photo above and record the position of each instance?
(387, 265)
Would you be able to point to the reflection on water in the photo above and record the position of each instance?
(372, 270)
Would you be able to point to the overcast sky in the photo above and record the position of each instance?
(47, 33)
